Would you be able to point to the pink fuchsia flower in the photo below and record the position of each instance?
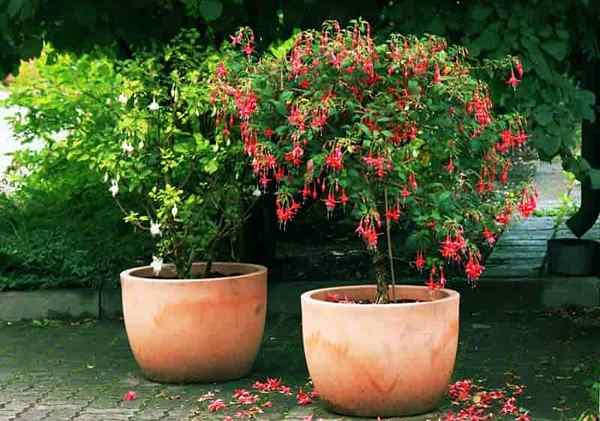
(216, 405)
(130, 396)
(512, 80)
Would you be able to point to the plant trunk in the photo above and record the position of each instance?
(379, 264)
(589, 209)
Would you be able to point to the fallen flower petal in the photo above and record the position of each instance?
(216, 405)
(129, 396)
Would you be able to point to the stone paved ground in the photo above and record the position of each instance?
(59, 371)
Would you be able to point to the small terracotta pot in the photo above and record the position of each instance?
(195, 330)
(381, 359)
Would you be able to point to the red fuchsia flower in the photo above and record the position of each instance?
(378, 163)
(509, 407)
(405, 193)
(489, 236)
(431, 283)
(480, 106)
(304, 84)
(528, 203)
(436, 74)
(296, 119)
(130, 396)
(523, 417)
(216, 405)
(367, 231)
(228, 418)
(344, 198)
(506, 142)
(392, 214)
(319, 119)
(513, 81)
(518, 390)
(246, 103)
(303, 398)
(267, 404)
(521, 138)
(330, 203)
(412, 181)
(442, 279)
(473, 269)
(461, 390)
(286, 213)
(221, 71)
(420, 261)
(268, 132)
(295, 156)
(248, 49)
(452, 247)
(504, 173)
(519, 67)
(334, 159)
(450, 166)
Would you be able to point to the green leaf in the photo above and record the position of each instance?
(556, 48)
(211, 166)
(543, 115)
(547, 144)
(480, 12)
(14, 7)
(211, 9)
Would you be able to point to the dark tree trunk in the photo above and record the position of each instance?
(589, 209)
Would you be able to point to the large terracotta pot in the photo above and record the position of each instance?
(380, 360)
(195, 330)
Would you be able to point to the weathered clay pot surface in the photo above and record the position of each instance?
(381, 360)
(199, 330)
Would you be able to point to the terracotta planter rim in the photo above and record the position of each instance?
(450, 295)
(130, 273)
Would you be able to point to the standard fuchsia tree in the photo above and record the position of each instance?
(400, 134)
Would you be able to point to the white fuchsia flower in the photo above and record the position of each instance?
(155, 229)
(127, 147)
(174, 211)
(114, 188)
(156, 265)
(123, 99)
(153, 105)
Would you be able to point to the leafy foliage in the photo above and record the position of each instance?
(145, 128)
(397, 133)
(553, 39)
(56, 231)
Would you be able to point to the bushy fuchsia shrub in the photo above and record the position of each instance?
(398, 134)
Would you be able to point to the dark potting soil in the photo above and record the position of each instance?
(334, 298)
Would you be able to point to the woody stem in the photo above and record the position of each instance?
(388, 237)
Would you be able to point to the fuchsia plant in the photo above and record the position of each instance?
(398, 134)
